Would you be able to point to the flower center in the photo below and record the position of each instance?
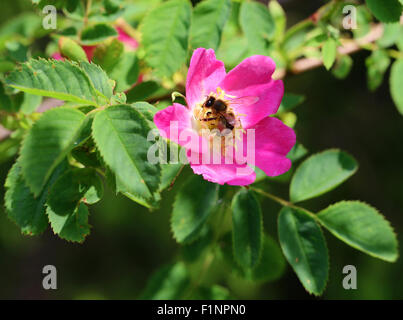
(215, 113)
(215, 119)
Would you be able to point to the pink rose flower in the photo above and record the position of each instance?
(249, 96)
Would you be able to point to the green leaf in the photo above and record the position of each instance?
(278, 14)
(27, 211)
(146, 90)
(108, 54)
(165, 36)
(71, 49)
(99, 79)
(193, 205)
(377, 64)
(97, 33)
(258, 26)
(329, 51)
(362, 227)
(209, 18)
(342, 67)
(71, 188)
(71, 227)
(22, 207)
(321, 173)
(385, 10)
(396, 84)
(304, 247)
(47, 144)
(120, 133)
(270, 267)
(5, 101)
(126, 71)
(364, 19)
(297, 152)
(168, 283)
(30, 103)
(193, 251)
(214, 292)
(63, 80)
(247, 229)
(290, 101)
(392, 32)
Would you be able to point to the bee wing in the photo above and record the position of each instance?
(243, 101)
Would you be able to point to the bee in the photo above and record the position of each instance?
(217, 113)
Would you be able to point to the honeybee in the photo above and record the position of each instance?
(217, 113)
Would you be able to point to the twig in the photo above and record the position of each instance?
(348, 47)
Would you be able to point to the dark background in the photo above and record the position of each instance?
(128, 243)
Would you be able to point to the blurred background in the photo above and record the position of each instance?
(128, 243)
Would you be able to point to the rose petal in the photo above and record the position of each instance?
(126, 39)
(204, 75)
(252, 77)
(232, 174)
(89, 51)
(273, 141)
(175, 123)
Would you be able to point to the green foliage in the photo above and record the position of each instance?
(165, 36)
(362, 227)
(30, 103)
(342, 67)
(102, 134)
(385, 10)
(22, 207)
(297, 152)
(120, 133)
(377, 64)
(168, 283)
(290, 101)
(304, 247)
(209, 18)
(194, 250)
(247, 229)
(107, 54)
(70, 226)
(396, 84)
(71, 49)
(97, 33)
(258, 26)
(214, 292)
(280, 20)
(271, 265)
(52, 137)
(62, 80)
(329, 51)
(194, 203)
(321, 173)
(126, 71)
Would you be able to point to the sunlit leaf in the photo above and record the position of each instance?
(385, 10)
(47, 144)
(258, 26)
(193, 205)
(247, 229)
(362, 227)
(304, 247)
(165, 36)
(396, 84)
(321, 173)
(120, 133)
(209, 18)
(168, 283)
